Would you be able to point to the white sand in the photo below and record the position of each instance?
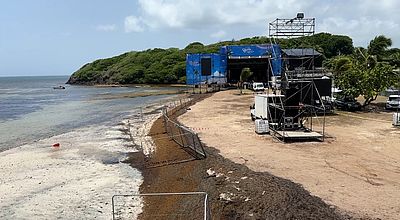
(140, 125)
(78, 179)
(139, 128)
(74, 181)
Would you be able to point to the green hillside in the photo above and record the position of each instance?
(164, 66)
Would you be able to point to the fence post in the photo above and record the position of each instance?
(141, 113)
(201, 146)
(169, 128)
(194, 143)
(180, 134)
(113, 210)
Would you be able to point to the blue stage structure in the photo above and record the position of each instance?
(225, 66)
(204, 69)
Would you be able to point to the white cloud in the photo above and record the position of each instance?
(106, 27)
(203, 13)
(133, 24)
(361, 19)
(180, 14)
(219, 34)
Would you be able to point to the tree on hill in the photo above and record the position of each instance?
(168, 65)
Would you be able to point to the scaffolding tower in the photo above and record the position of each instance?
(300, 114)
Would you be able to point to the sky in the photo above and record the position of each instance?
(49, 37)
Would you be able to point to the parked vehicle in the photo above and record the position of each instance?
(328, 104)
(347, 104)
(247, 85)
(392, 91)
(258, 86)
(393, 102)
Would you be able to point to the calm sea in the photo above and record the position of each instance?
(30, 109)
(77, 179)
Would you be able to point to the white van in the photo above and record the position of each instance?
(258, 86)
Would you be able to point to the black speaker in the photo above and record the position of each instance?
(205, 66)
(300, 15)
(324, 86)
(292, 95)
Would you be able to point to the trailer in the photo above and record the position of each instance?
(261, 104)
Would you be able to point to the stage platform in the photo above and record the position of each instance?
(299, 135)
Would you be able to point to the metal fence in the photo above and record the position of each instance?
(182, 135)
(196, 206)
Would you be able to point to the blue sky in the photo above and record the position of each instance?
(49, 37)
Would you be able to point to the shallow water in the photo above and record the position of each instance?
(78, 179)
(30, 109)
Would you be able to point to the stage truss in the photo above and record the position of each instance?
(290, 28)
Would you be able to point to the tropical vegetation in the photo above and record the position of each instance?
(358, 71)
(367, 71)
(159, 66)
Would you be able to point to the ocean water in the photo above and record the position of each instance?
(30, 109)
(78, 179)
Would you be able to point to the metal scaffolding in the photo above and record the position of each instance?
(300, 113)
(295, 27)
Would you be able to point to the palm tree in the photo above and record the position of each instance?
(244, 76)
(378, 46)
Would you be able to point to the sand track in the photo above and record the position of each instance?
(357, 169)
(235, 191)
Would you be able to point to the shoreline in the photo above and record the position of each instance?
(137, 94)
(78, 178)
(153, 168)
(75, 180)
(234, 190)
(129, 85)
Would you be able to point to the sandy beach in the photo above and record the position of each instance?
(77, 179)
(356, 169)
(245, 176)
(234, 190)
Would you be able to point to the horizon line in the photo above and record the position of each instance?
(4, 76)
